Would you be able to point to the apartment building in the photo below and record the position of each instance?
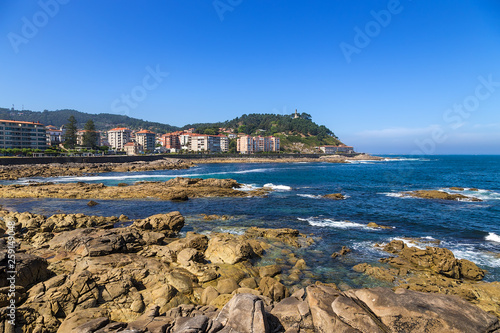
(118, 137)
(146, 139)
(22, 134)
(247, 144)
(337, 149)
(209, 143)
(171, 140)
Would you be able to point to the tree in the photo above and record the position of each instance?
(90, 135)
(233, 146)
(70, 135)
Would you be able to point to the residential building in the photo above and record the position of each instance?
(22, 134)
(247, 144)
(171, 140)
(209, 143)
(146, 139)
(132, 148)
(185, 141)
(118, 137)
(54, 135)
(336, 149)
(80, 134)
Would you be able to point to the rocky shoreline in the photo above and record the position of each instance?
(326, 158)
(178, 189)
(78, 273)
(14, 172)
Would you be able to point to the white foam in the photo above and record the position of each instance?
(481, 194)
(137, 175)
(344, 224)
(492, 237)
(277, 187)
(311, 196)
(247, 187)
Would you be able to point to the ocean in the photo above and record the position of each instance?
(471, 230)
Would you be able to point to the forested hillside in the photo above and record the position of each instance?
(102, 121)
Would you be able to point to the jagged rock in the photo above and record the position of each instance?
(78, 321)
(92, 203)
(343, 251)
(29, 269)
(334, 196)
(286, 235)
(170, 223)
(435, 194)
(411, 311)
(377, 226)
(294, 313)
(208, 295)
(270, 270)
(244, 314)
(228, 249)
(273, 289)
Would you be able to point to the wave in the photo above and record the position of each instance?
(277, 187)
(481, 194)
(345, 224)
(492, 237)
(310, 196)
(149, 176)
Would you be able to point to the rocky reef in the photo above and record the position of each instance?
(441, 195)
(173, 189)
(435, 270)
(13, 172)
(78, 273)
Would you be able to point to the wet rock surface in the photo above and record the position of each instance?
(79, 274)
(13, 172)
(174, 189)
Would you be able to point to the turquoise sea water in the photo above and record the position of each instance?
(470, 229)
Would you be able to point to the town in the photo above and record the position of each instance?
(40, 140)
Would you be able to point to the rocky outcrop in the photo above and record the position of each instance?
(169, 224)
(12, 172)
(441, 195)
(435, 270)
(334, 196)
(228, 249)
(286, 235)
(174, 189)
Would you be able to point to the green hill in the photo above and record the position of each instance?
(102, 121)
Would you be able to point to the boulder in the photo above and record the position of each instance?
(29, 269)
(170, 223)
(244, 314)
(228, 249)
(273, 289)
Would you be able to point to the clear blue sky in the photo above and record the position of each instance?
(389, 89)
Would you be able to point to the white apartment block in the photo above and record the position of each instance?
(118, 137)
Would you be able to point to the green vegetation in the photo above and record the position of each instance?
(70, 135)
(102, 121)
(90, 135)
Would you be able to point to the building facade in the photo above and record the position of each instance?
(132, 148)
(54, 135)
(209, 143)
(146, 139)
(337, 149)
(247, 144)
(118, 137)
(171, 140)
(22, 134)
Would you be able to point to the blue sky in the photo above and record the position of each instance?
(386, 76)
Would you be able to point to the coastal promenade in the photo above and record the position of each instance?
(149, 158)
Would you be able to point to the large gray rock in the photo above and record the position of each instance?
(244, 313)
